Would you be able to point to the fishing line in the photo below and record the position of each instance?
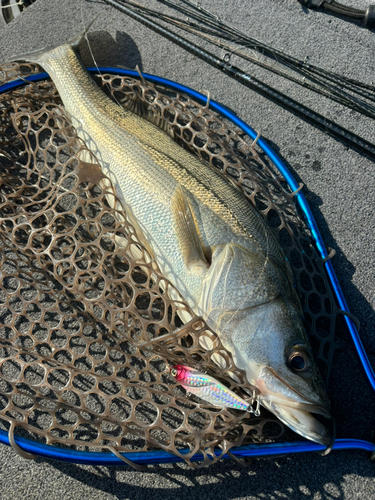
(88, 43)
(314, 118)
(91, 53)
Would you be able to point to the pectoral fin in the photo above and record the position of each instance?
(187, 234)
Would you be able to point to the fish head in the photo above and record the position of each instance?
(253, 307)
(293, 390)
(278, 360)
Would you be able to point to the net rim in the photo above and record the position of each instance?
(250, 450)
(163, 457)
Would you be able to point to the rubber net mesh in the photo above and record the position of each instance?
(87, 329)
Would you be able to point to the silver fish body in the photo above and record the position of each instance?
(208, 241)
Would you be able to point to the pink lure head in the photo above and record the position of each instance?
(179, 372)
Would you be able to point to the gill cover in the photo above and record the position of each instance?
(238, 280)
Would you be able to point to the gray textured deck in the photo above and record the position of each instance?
(340, 187)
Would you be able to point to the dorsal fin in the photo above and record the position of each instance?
(141, 108)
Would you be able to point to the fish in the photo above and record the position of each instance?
(209, 389)
(208, 240)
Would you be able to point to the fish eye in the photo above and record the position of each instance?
(173, 372)
(299, 360)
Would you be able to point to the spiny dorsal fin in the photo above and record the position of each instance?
(146, 111)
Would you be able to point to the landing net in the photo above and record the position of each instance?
(87, 327)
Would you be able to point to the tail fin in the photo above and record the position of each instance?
(36, 55)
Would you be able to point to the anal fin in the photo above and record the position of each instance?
(187, 234)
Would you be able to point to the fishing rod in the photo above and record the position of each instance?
(319, 86)
(213, 25)
(307, 70)
(316, 119)
(367, 16)
(232, 33)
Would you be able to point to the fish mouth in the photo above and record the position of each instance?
(293, 408)
(282, 392)
(300, 421)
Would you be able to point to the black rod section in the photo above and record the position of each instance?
(253, 83)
